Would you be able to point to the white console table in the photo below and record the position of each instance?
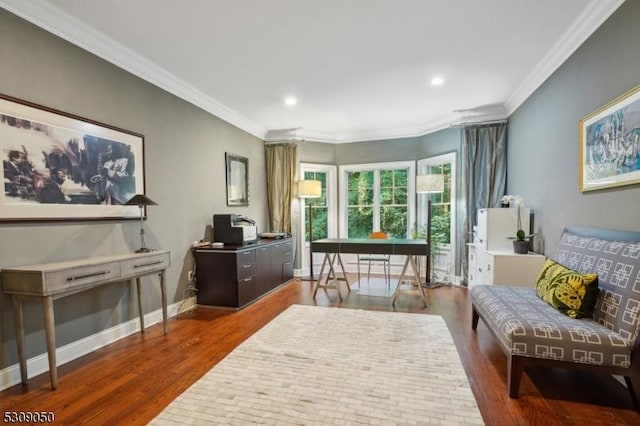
(50, 281)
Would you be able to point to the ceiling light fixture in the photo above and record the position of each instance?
(291, 101)
(437, 81)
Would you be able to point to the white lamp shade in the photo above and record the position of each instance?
(309, 189)
(429, 183)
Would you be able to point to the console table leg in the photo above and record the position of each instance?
(17, 314)
(50, 334)
(140, 310)
(163, 290)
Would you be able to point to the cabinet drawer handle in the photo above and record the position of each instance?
(142, 265)
(479, 269)
(247, 265)
(247, 279)
(93, 274)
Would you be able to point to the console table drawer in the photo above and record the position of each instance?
(155, 262)
(78, 277)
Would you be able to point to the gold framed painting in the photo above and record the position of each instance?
(609, 144)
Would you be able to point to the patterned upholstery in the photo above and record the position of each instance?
(617, 264)
(527, 326)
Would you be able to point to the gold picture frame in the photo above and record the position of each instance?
(609, 144)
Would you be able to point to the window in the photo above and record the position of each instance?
(442, 205)
(376, 198)
(318, 206)
(324, 208)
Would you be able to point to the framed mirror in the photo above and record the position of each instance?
(237, 180)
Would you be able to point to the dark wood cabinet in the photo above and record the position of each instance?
(234, 276)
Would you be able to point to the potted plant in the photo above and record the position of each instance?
(521, 242)
(521, 239)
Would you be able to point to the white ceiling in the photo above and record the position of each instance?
(360, 69)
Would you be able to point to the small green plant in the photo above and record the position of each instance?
(521, 236)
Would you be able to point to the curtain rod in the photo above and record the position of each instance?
(477, 123)
(289, 142)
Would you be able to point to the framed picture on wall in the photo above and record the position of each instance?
(609, 144)
(237, 180)
(59, 166)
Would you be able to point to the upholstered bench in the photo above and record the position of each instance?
(532, 331)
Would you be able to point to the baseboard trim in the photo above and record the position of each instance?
(39, 364)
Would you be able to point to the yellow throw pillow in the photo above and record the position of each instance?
(569, 291)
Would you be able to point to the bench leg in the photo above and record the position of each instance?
(632, 390)
(515, 367)
(474, 318)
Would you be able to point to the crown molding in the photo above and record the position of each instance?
(586, 24)
(379, 134)
(45, 15)
(52, 19)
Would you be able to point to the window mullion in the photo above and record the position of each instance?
(376, 200)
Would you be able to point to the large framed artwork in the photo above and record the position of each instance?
(609, 144)
(59, 166)
(237, 180)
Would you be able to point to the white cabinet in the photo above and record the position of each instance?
(495, 226)
(491, 257)
(503, 267)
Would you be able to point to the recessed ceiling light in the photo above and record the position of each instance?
(291, 101)
(437, 81)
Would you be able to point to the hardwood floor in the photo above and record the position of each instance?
(130, 381)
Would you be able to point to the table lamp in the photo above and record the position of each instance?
(310, 189)
(141, 201)
(429, 184)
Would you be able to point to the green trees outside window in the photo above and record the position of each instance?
(388, 207)
(319, 206)
(360, 204)
(441, 207)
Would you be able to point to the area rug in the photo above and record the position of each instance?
(318, 365)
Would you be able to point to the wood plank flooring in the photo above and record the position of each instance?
(130, 381)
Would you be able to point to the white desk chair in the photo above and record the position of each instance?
(384, 258)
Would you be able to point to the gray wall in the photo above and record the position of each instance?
(185, 174)
(543, 134)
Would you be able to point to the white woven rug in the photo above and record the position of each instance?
(316, 365)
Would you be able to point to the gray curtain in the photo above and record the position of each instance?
(484, 176)
(282, 160)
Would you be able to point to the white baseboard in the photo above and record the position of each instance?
(39, 364)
